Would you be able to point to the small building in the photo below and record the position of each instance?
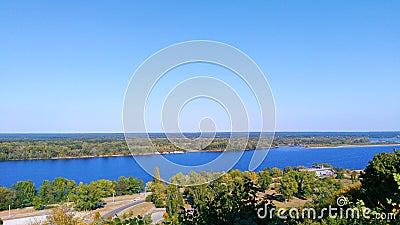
(321, 171)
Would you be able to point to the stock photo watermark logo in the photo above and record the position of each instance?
(341, 210)
(147, 77)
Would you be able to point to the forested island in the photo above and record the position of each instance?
(53, 146)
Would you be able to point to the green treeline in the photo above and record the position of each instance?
(321, 141)
(60, 148)
(50, 148)
(60, 190)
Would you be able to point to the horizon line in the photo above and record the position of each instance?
(188, 132)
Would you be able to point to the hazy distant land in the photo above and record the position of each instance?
(56, 146)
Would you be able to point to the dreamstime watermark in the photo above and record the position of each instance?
(339, 211)
(151, 71)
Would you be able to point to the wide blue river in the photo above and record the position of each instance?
(90, 169)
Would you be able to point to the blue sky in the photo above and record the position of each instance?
(332, 65)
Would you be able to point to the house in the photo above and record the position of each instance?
(321, 171)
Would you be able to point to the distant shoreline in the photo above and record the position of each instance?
(357, 146)
(189, 151)
(69, 157)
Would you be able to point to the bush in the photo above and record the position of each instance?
(378, 182)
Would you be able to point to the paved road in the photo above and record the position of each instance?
(24, 221)
(157, 217)
(120, 209)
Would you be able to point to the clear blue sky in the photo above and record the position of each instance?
(332, 65)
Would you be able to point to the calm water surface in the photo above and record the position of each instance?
(87, 170)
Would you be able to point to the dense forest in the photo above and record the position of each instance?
(13, 147)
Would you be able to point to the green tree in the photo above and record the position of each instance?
(377, 181)
(158, 190)
(397, 179)
(62, 188)
(325, 189)
(264, 179)
(306, 183)
(24, 193)
(135, 185)
(6, 198)
(178, 179)
(199, 178)
(276, 172)
(157, 176)
(45, 193)
(288, 186)
(38, 203)
(102, 188)
(122, 185)
(128, 186)
(340, 174)
(86, 197)
(174, 200)
(287, 169)
(158, 194)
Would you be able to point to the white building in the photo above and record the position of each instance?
(321, 171)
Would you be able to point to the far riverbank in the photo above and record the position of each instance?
(347, 146)
(196, 151)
